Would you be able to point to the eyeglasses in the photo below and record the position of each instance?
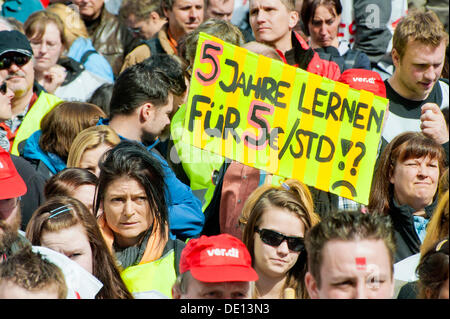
(18, 60)
(3, 88)
(274, 239)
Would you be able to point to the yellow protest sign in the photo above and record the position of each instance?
(282, 119)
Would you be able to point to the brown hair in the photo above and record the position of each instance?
(418, 25)
(66, 181)
(104, 267)
(62, 124)
(309, 8)
(347, 226)
(293, 196)
(33, 272)
(140, 8)
(433, 270)
(404, 146)
(37, 22)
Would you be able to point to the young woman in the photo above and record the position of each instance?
(89, 145)
(65, 225)
(276, 220)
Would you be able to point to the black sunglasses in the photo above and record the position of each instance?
(274, 239)
(18, 60)
(3, 88)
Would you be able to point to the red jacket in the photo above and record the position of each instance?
(303, 56)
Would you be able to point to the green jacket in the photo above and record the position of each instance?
(157, 275)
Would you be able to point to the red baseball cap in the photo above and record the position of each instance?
(220, 258)
(361, 79)
(11, 184)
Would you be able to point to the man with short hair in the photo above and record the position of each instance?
(183, 16)
(140, 109)
(30, 102)
(143, 17)
(216, 267)
(219, 9)
(415, 91)
(109, 36)
(28, 275)
(272, 22)
(351, 256)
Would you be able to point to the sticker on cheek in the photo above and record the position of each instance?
(360, 263)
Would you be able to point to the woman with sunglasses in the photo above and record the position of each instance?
(276, 220)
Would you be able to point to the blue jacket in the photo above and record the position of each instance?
(186, 218)
(34, 154)
(95, 63)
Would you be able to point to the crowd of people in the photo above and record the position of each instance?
(100, 197)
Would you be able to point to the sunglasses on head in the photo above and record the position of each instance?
(274, 239)
(19, 60)
(3, 88)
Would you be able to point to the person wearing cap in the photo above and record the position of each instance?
(416, 92)
(350, 256)
(12, 187)
(30, 102)
(215, 267)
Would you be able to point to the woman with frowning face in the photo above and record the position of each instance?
(276, 219)
(133, 216)
(405, 187)
(321, 19)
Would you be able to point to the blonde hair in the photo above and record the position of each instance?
(74, 26)
(90, 138)
(293, 196)
(419, 25)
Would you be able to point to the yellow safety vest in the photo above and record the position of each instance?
(198, 164)
(157, 275)
(32, 120)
